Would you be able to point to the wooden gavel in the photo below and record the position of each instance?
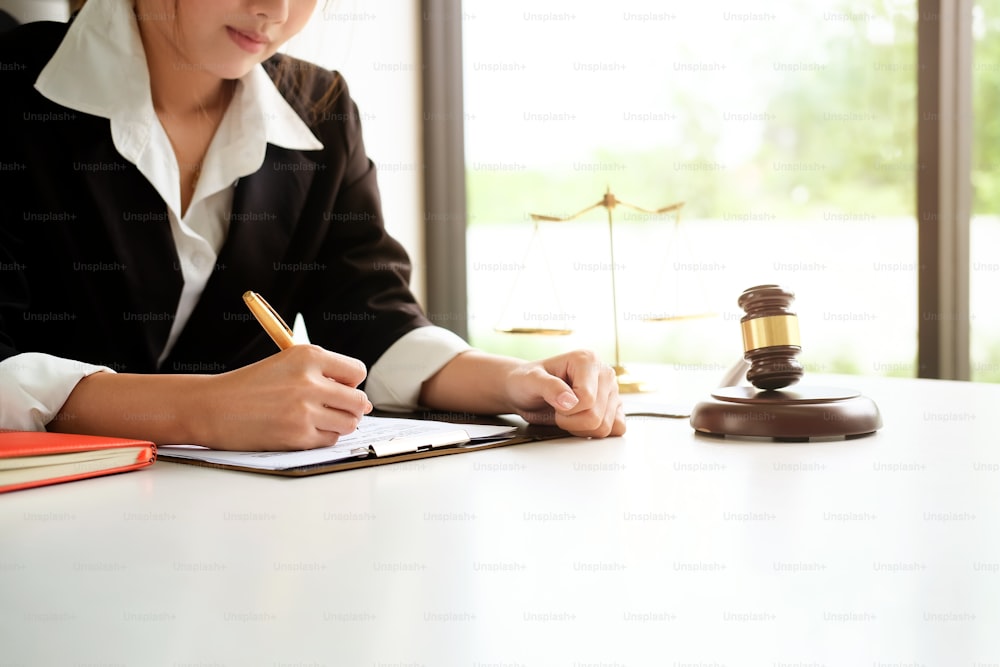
(770, 337)
(770, 347)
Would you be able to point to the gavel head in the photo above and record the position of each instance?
(770, 337)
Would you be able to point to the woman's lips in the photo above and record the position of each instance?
(251, 42)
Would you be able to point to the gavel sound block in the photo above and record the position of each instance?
(768, 409)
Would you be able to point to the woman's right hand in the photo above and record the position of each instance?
(300, 398)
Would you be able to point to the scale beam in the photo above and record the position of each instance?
(626, 384)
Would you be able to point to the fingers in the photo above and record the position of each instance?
(329, 381)
(555, 392)
(300, 398)
(589, 405)
(343, 369)
(599, 412)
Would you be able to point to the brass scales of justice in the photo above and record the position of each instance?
(626, 382)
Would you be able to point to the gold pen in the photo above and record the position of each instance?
(269, 319)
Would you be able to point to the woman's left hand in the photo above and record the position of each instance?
(575, 391)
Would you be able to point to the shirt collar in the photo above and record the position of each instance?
(79, 76)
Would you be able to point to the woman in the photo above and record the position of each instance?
(160, 171)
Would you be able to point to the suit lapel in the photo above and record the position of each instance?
(138, 230)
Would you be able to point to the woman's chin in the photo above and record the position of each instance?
(235, 71)
(233, 68)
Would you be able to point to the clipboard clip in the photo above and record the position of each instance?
(418, 443)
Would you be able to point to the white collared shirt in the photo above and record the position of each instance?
(78, 77)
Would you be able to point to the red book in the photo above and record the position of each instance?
(37, 458)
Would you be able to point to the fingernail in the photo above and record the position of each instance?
(567, 400)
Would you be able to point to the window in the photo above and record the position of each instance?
(789, 133)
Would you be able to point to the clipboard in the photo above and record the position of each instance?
(445, 442)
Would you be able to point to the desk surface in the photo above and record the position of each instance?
(658, 548)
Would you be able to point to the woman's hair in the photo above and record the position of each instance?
(297, 78)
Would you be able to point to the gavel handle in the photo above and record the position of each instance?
(736, 374)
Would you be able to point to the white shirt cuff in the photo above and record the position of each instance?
(34, 387)
(395, 380)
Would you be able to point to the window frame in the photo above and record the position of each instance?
(944, 187)
(443, 126)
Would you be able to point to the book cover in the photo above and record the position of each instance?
(37, 458)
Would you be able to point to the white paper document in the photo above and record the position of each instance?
(375, 436)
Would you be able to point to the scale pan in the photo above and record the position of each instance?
(535, 330)
(678, 318)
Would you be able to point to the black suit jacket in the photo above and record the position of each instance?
(88, 268)
(7, 22)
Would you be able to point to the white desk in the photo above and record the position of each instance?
(659, 548)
